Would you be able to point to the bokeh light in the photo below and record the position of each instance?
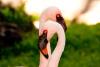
(13, 3)
(36, 24)
(37, 6)
(92, 16)
(69, 8)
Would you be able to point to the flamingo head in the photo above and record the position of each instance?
(54, 14)
(50, 14)
(43, 44)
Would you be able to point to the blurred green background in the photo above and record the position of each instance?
(82, 42)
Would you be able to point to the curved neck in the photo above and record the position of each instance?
(55, 57)
(53, 27)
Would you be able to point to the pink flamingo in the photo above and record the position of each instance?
(48, 30)
(53, 14)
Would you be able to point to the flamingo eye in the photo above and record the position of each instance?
(58, 15)
(45, 31)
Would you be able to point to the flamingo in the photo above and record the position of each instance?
(48, 30)
(53, 14)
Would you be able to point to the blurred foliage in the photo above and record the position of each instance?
(82, 49)
(10, 19)
(21, 53)
(16, 16)
(83, 46)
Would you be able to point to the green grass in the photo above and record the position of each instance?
(82, 49)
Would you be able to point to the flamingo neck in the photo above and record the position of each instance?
(55, 57)
(53, 27)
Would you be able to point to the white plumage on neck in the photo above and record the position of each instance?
(54, 27)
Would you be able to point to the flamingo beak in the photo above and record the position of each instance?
(61, 21)
(43, 44)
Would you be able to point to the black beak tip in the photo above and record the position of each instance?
(46, 56)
